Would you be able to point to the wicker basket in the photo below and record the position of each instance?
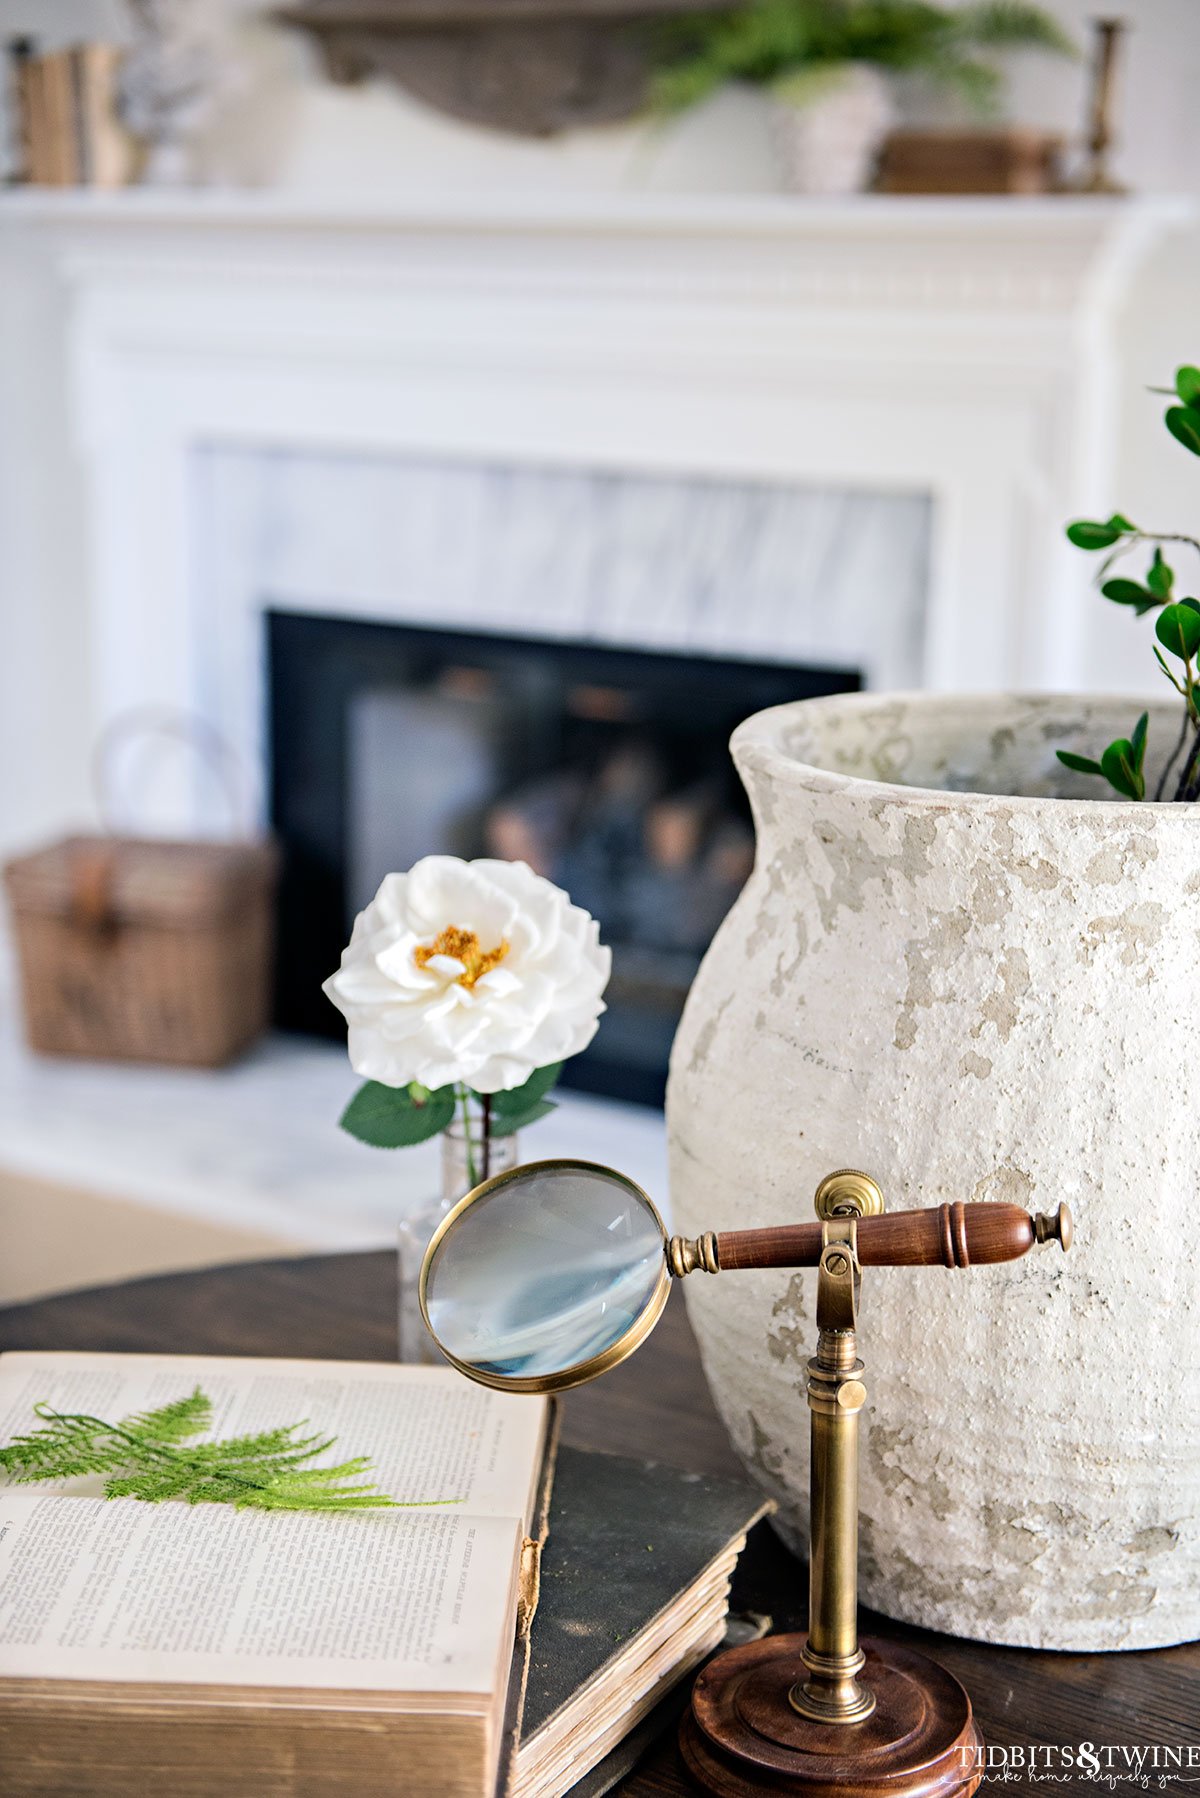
(143, 950)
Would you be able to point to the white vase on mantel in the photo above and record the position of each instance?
(827, 125)
(957, 969)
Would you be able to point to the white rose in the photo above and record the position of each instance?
(476, 972)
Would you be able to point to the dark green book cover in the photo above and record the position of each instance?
(626, 1538)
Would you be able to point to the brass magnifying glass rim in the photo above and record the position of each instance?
(583, 1371)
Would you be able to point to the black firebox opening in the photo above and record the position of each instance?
(606, 769)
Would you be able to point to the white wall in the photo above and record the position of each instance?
(289, 128)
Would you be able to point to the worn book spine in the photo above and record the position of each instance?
(59, 106)
(101, 145)
(529, 1591)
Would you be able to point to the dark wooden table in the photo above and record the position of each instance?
(344, 1307)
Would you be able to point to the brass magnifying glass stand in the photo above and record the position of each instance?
(825, 1714)
(551, 1274)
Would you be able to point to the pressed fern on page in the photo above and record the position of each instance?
(141, 1456)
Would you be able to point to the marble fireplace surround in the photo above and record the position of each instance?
(238, 365)
(958, 352)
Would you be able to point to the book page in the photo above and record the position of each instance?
(431, 1434)
(100, 1589)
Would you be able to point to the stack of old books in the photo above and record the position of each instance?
(66, 106)
(502, 1638)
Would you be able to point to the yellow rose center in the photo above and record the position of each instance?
(462, 945)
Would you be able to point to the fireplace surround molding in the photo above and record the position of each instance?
(958, 350)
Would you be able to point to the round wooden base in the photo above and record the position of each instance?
(742, 1738)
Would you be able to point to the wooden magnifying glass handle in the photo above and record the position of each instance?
(955, 1235)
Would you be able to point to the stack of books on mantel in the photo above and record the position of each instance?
(500, 1640)
(66, 109)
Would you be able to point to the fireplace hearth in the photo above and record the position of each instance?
(606, 769)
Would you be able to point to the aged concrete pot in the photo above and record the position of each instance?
(953, 968)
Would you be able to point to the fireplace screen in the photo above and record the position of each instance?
(605, 769)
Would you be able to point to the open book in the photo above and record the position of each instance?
(261, 1653)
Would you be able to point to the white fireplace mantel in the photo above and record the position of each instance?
(961, 350)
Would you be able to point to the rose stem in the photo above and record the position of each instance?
(466, 1118)
(487, 1134)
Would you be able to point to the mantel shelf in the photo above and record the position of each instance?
(778, 216)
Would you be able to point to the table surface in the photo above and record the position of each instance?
(343, 1307)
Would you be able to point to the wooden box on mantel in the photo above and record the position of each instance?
(137, 949)
(1010, 159)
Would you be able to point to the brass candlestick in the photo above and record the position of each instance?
(1098, 179)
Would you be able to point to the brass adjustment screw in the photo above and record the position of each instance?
(848, 1193)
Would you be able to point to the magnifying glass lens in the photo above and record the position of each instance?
(546, 1273)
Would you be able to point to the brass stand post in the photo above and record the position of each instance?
(836, 1394)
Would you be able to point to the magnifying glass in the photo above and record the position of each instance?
(552, 1273)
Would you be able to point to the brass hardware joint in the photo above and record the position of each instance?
(685, 1255)
(839, 1278)
(1057, 1228)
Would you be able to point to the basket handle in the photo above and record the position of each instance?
(210, 747)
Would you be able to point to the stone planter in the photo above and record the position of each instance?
(827, 126)
(954, 968)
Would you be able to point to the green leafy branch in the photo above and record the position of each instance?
(1177, 626)
(143, 1457)
(396, 1117)
(769, 42)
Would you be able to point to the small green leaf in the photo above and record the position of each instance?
(1161, 659)
(1194, 604)
(1081, 764)
(387, 1117)
(507, 1123)
(1119, 522)
(1128, 593)
(1138, 739)
(1088, 533)
(1178, 629)
(520, 1098)
(1187, 384)
(1183, 422)
(1160, 579)
(1119, 766)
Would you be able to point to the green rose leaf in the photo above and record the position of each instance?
(507, 1123)
(1089, 533)
(520, 1098)
(1119, 522)
(1183, 422)
(1119, 765)
(1178, 629)
(1160, 579)
(1138, 739)
(1081, 764)
(1187, 384)
(1193, 604)
(388, 1117)
(1129, 593)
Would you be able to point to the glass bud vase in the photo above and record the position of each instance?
(464, 1165)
